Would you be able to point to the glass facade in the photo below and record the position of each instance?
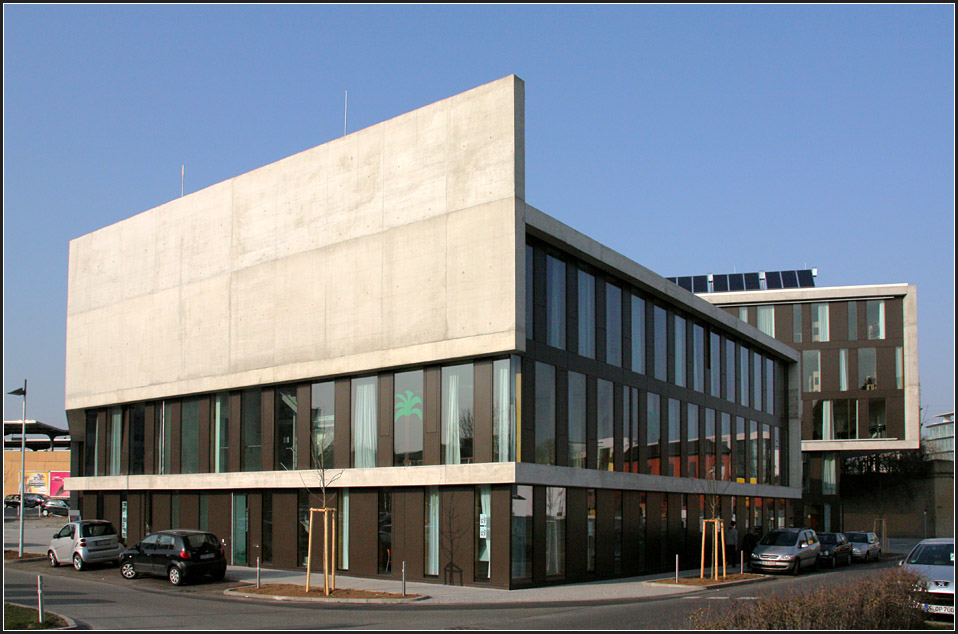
(577, 420)
(613, 325)
(586, 313)
(363, 423)
(555, 302)
(545, 414)
(604, 426)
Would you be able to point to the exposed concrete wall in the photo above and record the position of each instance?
(393, 245)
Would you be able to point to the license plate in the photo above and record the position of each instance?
(208, 556)
(940, 609)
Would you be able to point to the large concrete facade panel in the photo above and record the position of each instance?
(286, 272)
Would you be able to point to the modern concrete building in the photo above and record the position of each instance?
(859, 385)
(493, 397)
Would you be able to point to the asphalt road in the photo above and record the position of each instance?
(101, 599)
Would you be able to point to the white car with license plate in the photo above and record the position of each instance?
(934, 561)
(85, 542)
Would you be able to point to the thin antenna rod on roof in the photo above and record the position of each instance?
(182, 178)
(345, 109)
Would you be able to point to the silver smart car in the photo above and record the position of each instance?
(85, 542)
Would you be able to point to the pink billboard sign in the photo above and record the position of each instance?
(57, 489)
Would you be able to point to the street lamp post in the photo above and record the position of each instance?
(22, 391)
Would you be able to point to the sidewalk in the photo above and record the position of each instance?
(37, 533)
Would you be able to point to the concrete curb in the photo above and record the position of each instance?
(71, 624)
(238, 592)
(725, 584)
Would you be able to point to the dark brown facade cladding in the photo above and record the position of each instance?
(573, 533)
(850, 337)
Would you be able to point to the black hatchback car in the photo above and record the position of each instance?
(177, 554)
(835, 548)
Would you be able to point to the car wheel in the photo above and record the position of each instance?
(127, 570)
(78, 562)
(834, 563)
(175, 575)
(53, 559)
(797, 568)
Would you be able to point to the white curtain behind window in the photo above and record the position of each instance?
(828, 421)
(504, 418)
(843, 369)
(364, 423)
(451, 422)
(822, 322)
(766, 320)
(829, 476)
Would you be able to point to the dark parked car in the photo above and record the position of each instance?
(54, 507)
(32, 500)
(835, 549)
(178, 555)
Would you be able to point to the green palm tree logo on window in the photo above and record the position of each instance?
(407, 404)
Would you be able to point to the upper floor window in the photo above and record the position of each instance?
(852, 321)
(820, 322)
(545, 413)
(286, 409)
(811, 371)
(875, 314)
(407, 418)
(613, 325)
(766, 320)
(458, 421)
(797, 323)
(555, 302)
(322, 425)
(680, 347)
(638, 334)
(660, 343)
(365, 435)
(586, 312)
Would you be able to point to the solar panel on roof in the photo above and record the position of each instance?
(720, 283)
(686, 283)
(773, 279)
(789, 279)
(736, 282)
(751, 282)
(700, 284)
(805, 279)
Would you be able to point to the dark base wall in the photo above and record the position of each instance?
(654, 528)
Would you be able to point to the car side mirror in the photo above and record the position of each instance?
(803, 544)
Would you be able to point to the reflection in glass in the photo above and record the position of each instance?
(586, 297)
(322, 423)
(250, 416)
(604, 425)
(867, 369)
(660, 343)
(504, 372)
(457, 414)
(407, 418)
(284, 448)
(555, 531)
(577, 420)
(521, 532)
(613, 325)
(653, 430)
(679, 344)
(638, 335)
(811, 371)
(483, 532)
(431, 532)
(545, 413)
(555, 302)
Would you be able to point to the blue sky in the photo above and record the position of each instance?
(692, 139)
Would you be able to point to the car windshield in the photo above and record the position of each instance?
(933, 555)
(858, 538)
(828, 538)
(97, 530)
(779, 538)
(201, 539)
